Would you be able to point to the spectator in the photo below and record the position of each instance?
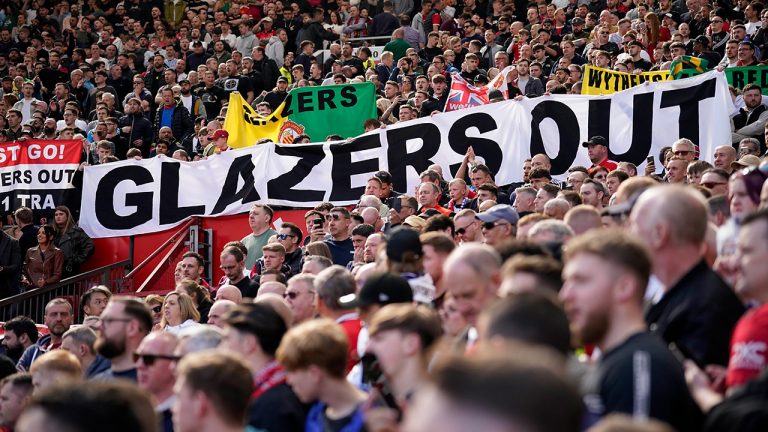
(73, 242)
(81, 341)
(19, 334)
(254, 332)
(122, 408)
(125, 322)
(43, 264)
(179, 312)
(313, 356)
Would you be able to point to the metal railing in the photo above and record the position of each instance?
(32, 302)
(162, 275)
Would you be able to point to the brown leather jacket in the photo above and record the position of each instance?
(48, 265)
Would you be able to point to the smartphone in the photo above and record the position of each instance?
(318, 222)
(649, 159)
(681, 352)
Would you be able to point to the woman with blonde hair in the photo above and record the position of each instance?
(179, 312)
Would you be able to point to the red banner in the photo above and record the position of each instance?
(36, 173)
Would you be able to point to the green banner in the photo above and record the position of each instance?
(738, 76)
(328, 110)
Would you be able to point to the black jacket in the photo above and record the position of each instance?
(10, 261)
(77, 248)
(181, 122)
(141, 128)
(278, 409)
(316, 33)
(698, 314)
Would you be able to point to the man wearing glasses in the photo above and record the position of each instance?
(139, 91)
(155, 363)
(124, 324)
(685, 149)
(290, 237)
(301, 297)
(499, 224)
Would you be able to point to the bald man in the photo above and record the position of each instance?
(583, 218)
(556, 208)
(472, 275)
(218, 310)
(723, 157)
(271, 287)
(229, 292)
(697, 310)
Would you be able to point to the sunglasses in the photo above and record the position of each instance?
(461, 231)
(150, 359)
(491, 225)
(157, 309)
(284, 236)
(710, 185)
(293, 294)
(682, 152)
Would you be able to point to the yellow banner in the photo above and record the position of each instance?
(599, 81)
(245, 126)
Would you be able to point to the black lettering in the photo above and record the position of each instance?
(763, 79)
(688, 100)
(624, 81)
(27, 176)
(752, 76)
(398, 156)
(170, 211)
(349, 96)
(325, 99)
(288, 107)
(304, 101)
(282, 187)
(568, 127)
(242, 167)
(488, 149)
(737, 79)
(343, 168)
(105, 191)
(595, 78)
(607, 78)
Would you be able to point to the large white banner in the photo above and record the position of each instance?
(134, 197)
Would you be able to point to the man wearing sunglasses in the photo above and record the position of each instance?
(499, 224)
(290, 237)
(155, 362)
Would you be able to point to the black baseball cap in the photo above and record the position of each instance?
(384, 176)
(596, 140)
(381, 289)
(402, 241)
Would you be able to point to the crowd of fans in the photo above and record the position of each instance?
(610, 302)
(133, 79)
(616, 300)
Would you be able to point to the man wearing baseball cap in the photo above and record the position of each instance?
(499, 224)
(218, 143)
(597, 148)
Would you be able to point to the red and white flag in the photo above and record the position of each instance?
(465, 95)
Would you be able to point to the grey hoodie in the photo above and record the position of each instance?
(245, 43)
